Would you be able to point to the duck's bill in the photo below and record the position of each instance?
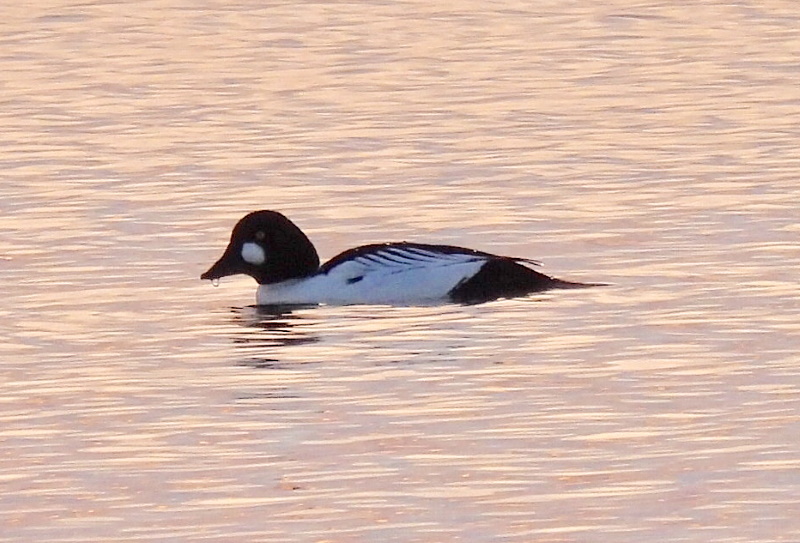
(222, 268)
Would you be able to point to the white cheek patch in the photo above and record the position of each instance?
(253, 253)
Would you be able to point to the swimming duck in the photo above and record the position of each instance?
(271, 249)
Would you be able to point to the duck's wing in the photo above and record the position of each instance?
(404, 256)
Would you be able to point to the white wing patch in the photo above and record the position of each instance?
(402, 275)
(402, 259)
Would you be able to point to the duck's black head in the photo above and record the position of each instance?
(269, 248)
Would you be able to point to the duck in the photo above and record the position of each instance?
(271, 249)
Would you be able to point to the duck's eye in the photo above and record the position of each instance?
(260, 235)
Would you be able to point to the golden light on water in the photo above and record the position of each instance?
(650, 147)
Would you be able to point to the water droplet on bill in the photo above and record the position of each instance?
(215, 282)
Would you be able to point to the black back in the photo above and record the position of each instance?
(502, 278)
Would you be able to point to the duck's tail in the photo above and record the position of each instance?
(561, 283)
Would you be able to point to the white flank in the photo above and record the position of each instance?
(253, 253)
(400, 277)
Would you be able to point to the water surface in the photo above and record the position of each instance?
(653, 147)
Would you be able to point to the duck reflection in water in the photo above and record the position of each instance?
(265, 328)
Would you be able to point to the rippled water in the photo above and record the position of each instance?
(649, 146)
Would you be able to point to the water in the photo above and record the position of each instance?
(652, 146)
